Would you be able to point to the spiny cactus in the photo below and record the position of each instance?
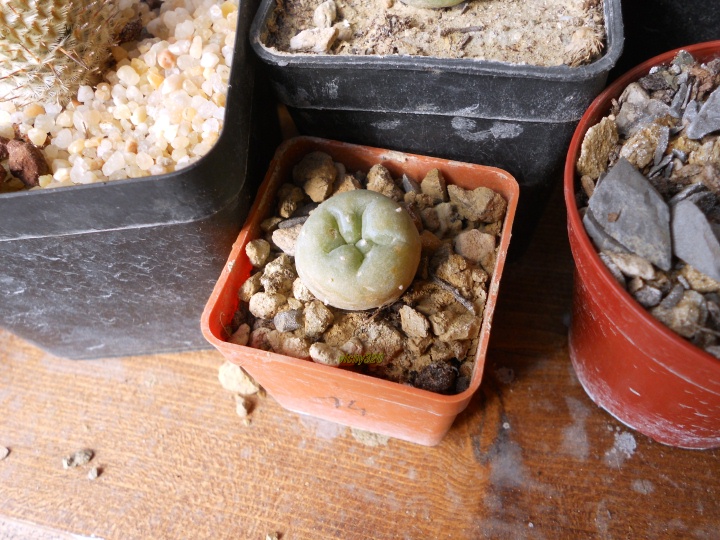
(48, 48)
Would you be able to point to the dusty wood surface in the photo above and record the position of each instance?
(532, 456)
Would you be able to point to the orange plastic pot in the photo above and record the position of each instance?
(631, 365)
(341, 395)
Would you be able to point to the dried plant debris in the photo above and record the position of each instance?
(650, 195)
(77, 459)
(550, 33)
(429, 336)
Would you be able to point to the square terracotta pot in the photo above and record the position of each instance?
(341, 395)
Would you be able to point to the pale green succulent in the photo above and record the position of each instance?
(48, 48)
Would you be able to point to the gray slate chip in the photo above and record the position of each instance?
(694, 239)
(603, 241)
(708, 117)
(630, 210)
(637, 115)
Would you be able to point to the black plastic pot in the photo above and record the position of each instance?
(516, 117)
(125, 267)
(653, 27)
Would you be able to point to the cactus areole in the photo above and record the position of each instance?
(358, 250)
(49, 48)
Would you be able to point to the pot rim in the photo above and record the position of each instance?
(613, 31)
(597, 109)
(367, 384)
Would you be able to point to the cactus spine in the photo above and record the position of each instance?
(48, 48)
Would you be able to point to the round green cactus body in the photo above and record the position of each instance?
(358, 250)
(49, 48)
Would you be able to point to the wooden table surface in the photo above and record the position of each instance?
(531, 457)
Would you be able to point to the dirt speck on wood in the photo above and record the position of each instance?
(532, 32)
(81, 457)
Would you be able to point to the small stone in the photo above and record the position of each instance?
(430, 219)
(380, 180)
(640, 149)
(316, 172)
(291, 222)
(234, 379)
(463, 327)
(241, 336)
(478, 247)
(93, 473)
(479, 204)
(242, 407)
(436, 377)
(250, 286)
(707, 119)
(288, 321)
(418, 199)
(317, 318)
(279, 275)
(409, 185)
(449, 219)
(698, 281)
(597, 144)
(588, 185)
(430, 242)
(323, 353)
(270, 224)
(286, 238)
(258, 252)
(81, 457)
(685, 317)
(638, 110)
(414, 323)
(453, 269)
(260, 338)
(4, 452)
(382, 338)
(325, 14)
(353, 346)
(265, 305)
(289, 197)
(26, 162)
(603, 241)
(632, 265)
(301, 292)
(648, 296)
(629, 209)
(344, 30)
(347, 183)
(613, 268)
(434, 185)
(694, 239)
(317, 40)
(290, 345)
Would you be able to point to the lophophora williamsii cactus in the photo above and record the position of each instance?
(49, 48)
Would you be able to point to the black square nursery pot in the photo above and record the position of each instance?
(519, 118)
(125, 267)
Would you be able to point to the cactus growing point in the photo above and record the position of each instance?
(49, 48)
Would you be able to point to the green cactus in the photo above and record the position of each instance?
(48, 48)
